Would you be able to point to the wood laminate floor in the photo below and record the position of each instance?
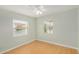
(39, 47)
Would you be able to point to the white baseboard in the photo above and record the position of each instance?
(15, 47)
(60, 44)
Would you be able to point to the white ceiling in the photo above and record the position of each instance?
(28, 9)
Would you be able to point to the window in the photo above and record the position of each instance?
(20, 28)
(48, 27)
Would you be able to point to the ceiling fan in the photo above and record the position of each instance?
(39, 9)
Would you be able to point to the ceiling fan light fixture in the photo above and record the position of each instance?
(38, 12)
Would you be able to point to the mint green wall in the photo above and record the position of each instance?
(6, 31)
(78, 27)
(65, 28)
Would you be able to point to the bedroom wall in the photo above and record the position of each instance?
(6, 30)
(64, 30)
(78, 28)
